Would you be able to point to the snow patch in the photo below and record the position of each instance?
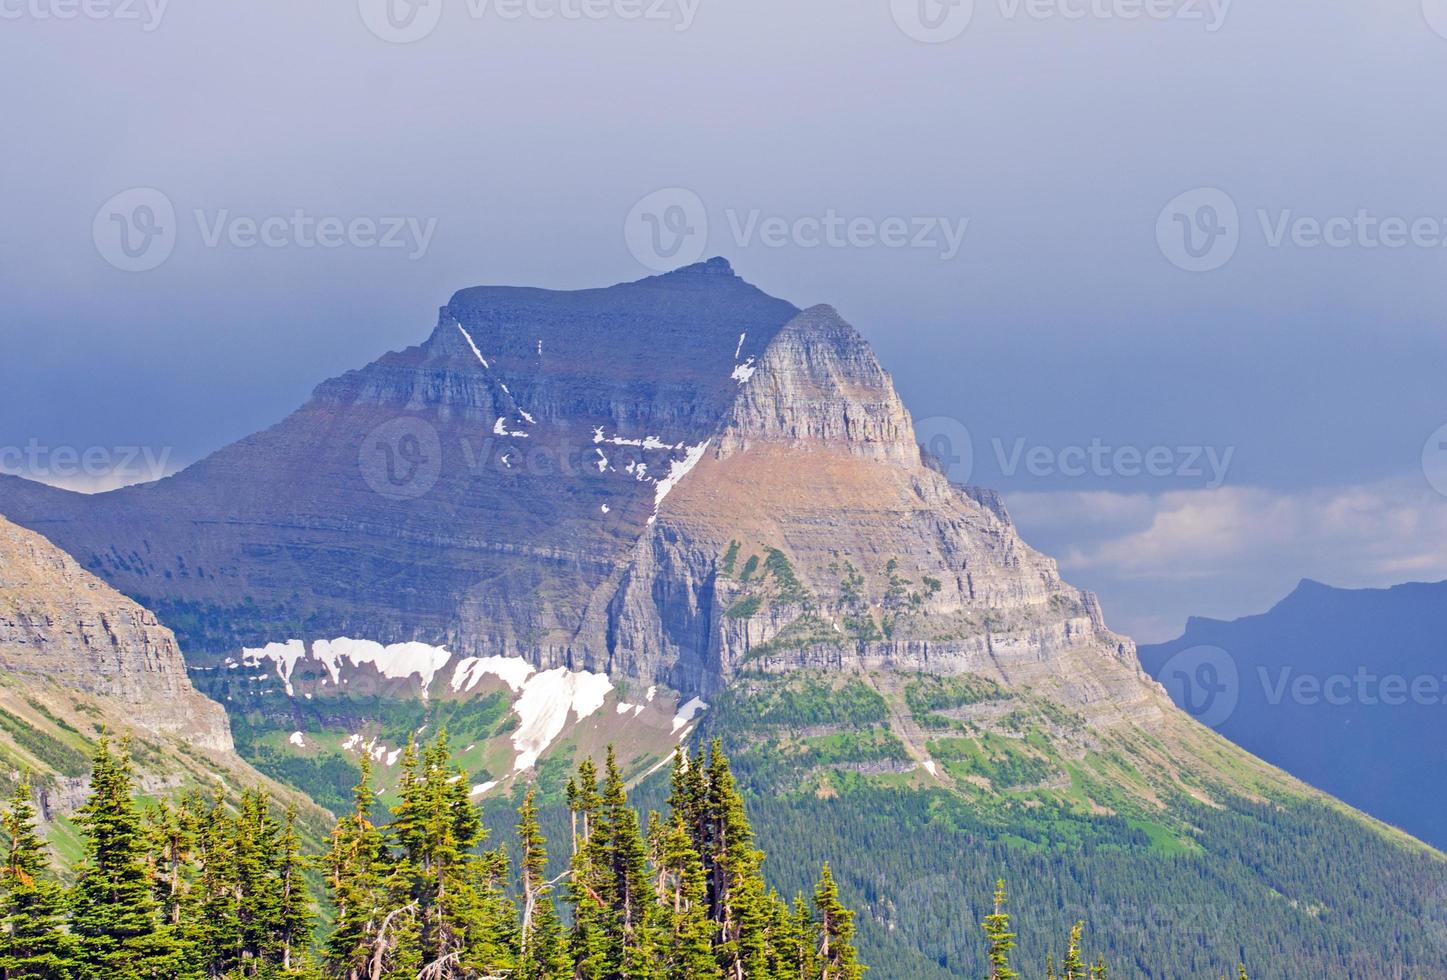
(739, 349)
(481, 788)
(513, 671)
(677, 470)
(544, 705)
(647, 442)
(297, 740)
(397, 661)
(688, 712)
(283, 655)
(499, 428)
(467, 335)
(743, 372)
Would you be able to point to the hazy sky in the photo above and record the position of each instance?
(1185, 441)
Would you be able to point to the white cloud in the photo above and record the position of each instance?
(1157, 558)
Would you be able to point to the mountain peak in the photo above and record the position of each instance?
(716, 266)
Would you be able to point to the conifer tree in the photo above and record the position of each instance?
(215, 922)
(542, 954)
(626, 856)
(682, 896)
(1002, 940)
(1073, 965)
(355, 868)
(34, 944)
(456, 895)
(115, 916)
(805, 962)
(293, 922)
(733, 867)
(838, 959)
(255, 882)
(588, 881)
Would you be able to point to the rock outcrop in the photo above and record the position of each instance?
(59, 622)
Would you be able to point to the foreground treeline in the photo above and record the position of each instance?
(205, 890)
(208, 890)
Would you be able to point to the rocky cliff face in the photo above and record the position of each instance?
(668, 480)
(61, 623)
(816, 535)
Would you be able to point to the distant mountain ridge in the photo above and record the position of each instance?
(1343, 688)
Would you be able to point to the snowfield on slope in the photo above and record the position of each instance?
(544, 703)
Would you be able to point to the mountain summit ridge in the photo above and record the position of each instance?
(590, 444)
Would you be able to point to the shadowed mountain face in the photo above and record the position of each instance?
(1342, 688)
(559, 476)
(451, 491)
